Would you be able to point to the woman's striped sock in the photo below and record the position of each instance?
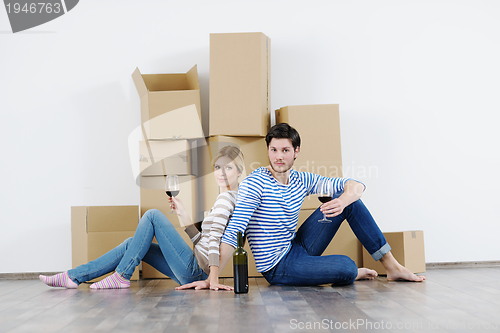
(59, 280)
(114, 281)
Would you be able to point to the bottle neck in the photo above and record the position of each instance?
(240, 239)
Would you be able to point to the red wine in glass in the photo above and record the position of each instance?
(172, 187)
(324, 199)
(172, 193)
(325, 194)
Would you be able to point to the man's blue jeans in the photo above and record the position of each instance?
(171, 256)
(304, 265)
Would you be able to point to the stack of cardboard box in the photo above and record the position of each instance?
(239, 115)
(171, 128)
(239, 110)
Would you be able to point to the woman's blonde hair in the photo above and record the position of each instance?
(234, 153)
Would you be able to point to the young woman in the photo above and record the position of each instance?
(171, 256)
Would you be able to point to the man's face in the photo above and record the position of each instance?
(281, 154)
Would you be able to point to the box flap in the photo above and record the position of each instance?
(112, 218)
(168, 125)
(140, 85)
(192, 78)
(282, 115)
(160, 158)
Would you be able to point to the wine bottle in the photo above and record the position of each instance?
(240, 267)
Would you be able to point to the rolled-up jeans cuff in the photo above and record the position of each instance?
(381, 252)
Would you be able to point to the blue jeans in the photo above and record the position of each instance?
(171, 256)
(304, 265)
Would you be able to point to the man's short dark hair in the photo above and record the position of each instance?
(283, 131)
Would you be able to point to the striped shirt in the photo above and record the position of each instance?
(268, 210)
(206, 243)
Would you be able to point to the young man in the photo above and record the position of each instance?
(268, 205)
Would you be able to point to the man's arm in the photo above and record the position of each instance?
(353, 190)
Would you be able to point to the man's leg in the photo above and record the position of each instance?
(298, 268)
(367, 231)
(315, 236)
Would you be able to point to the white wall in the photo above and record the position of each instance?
(417, 83)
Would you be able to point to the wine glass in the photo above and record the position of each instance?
(325, 194)
(172, 187)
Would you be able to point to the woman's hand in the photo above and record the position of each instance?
(204, 284)
(176, 205)
(217, 286)
(197, 285)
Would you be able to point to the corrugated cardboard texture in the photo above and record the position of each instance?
(156, 198)
(96, 230)
(239, 84)
(112, 218)
(344, 242)
(407, 249)
(162, 93)
(79, 243)
(320, 150)
(181, 123)
(254, 152)
(160, 158)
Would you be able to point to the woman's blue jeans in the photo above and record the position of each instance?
(171, 256)
(304, 264)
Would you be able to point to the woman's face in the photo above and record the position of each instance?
(226, 174)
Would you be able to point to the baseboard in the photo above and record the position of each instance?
(463, 264)
(24, 276)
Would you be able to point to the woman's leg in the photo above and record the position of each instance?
(172, 256)
(91, 270)
(123, 259)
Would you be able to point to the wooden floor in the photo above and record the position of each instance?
(451, 300)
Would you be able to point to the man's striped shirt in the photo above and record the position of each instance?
(268, 210)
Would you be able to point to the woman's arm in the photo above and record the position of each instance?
(180, 210)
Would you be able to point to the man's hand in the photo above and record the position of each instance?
(352, 192)
(205, 284)
(334, 207)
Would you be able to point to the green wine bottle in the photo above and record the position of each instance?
(240, 267)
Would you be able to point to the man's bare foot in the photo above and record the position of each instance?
(396, 271)
(366, 274)
(401, 273)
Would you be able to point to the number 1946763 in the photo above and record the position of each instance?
(34, 7)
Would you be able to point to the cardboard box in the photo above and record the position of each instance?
(240, 84)
(161, 95)
(153, 196)
(344, 242)
(170, 157)
(97, 230)
(254, 153)
(149, 272)
(407, 249)
(320, 149)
